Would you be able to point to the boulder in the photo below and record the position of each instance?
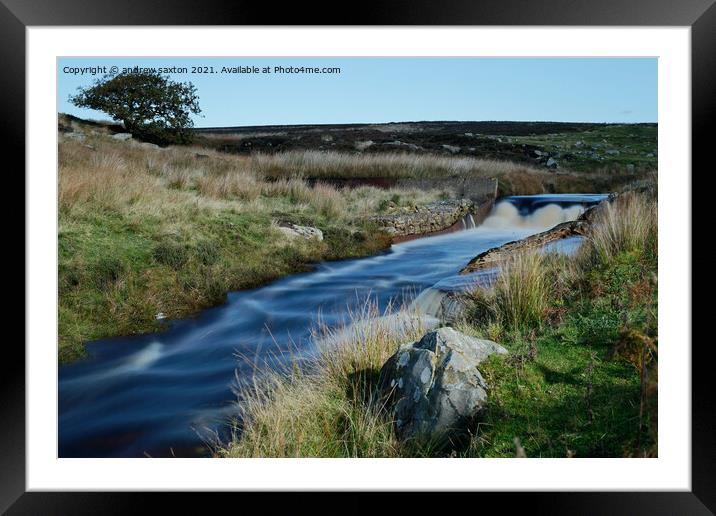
(433, 386)
(551, 163)
(451, 148)
(147, 145)
(361, 146)
(122, 136)
(294, 230)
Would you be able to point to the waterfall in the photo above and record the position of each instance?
(506, 215)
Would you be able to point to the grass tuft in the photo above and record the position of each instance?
(326, 407)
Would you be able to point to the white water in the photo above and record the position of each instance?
(507, 216)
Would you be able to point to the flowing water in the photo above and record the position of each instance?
(160, 394)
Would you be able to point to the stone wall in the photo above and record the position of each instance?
(430, 218)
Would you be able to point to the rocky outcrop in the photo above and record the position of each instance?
(433, 386)
(492, 257)
(429, 218)
(294, 231)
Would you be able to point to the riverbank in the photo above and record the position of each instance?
(148, 234)
(579, 379)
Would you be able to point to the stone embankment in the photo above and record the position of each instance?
(472, 197)
(421, 220)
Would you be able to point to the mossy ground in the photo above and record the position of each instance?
(570, 389)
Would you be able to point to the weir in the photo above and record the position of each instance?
(539, 212)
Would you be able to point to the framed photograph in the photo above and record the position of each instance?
(417, 253)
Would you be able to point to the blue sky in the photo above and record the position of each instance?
(401, 89)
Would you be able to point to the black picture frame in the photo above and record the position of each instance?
(700, 15)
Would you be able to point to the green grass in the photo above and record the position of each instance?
(564, 391)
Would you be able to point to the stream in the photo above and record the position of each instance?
(163, 394)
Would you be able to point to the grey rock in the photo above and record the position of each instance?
(613, 152)
(147, 145)
(122, 136)
(76, 136)
(552, 163)
(363, 145)
(294, 230)
(433, 386)
(451, 148)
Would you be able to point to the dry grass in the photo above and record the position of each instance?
(521, 291)
(329, 411)
(121, 176)
(311, 163)
(520, 296)
(514, 178)
(629, 224)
